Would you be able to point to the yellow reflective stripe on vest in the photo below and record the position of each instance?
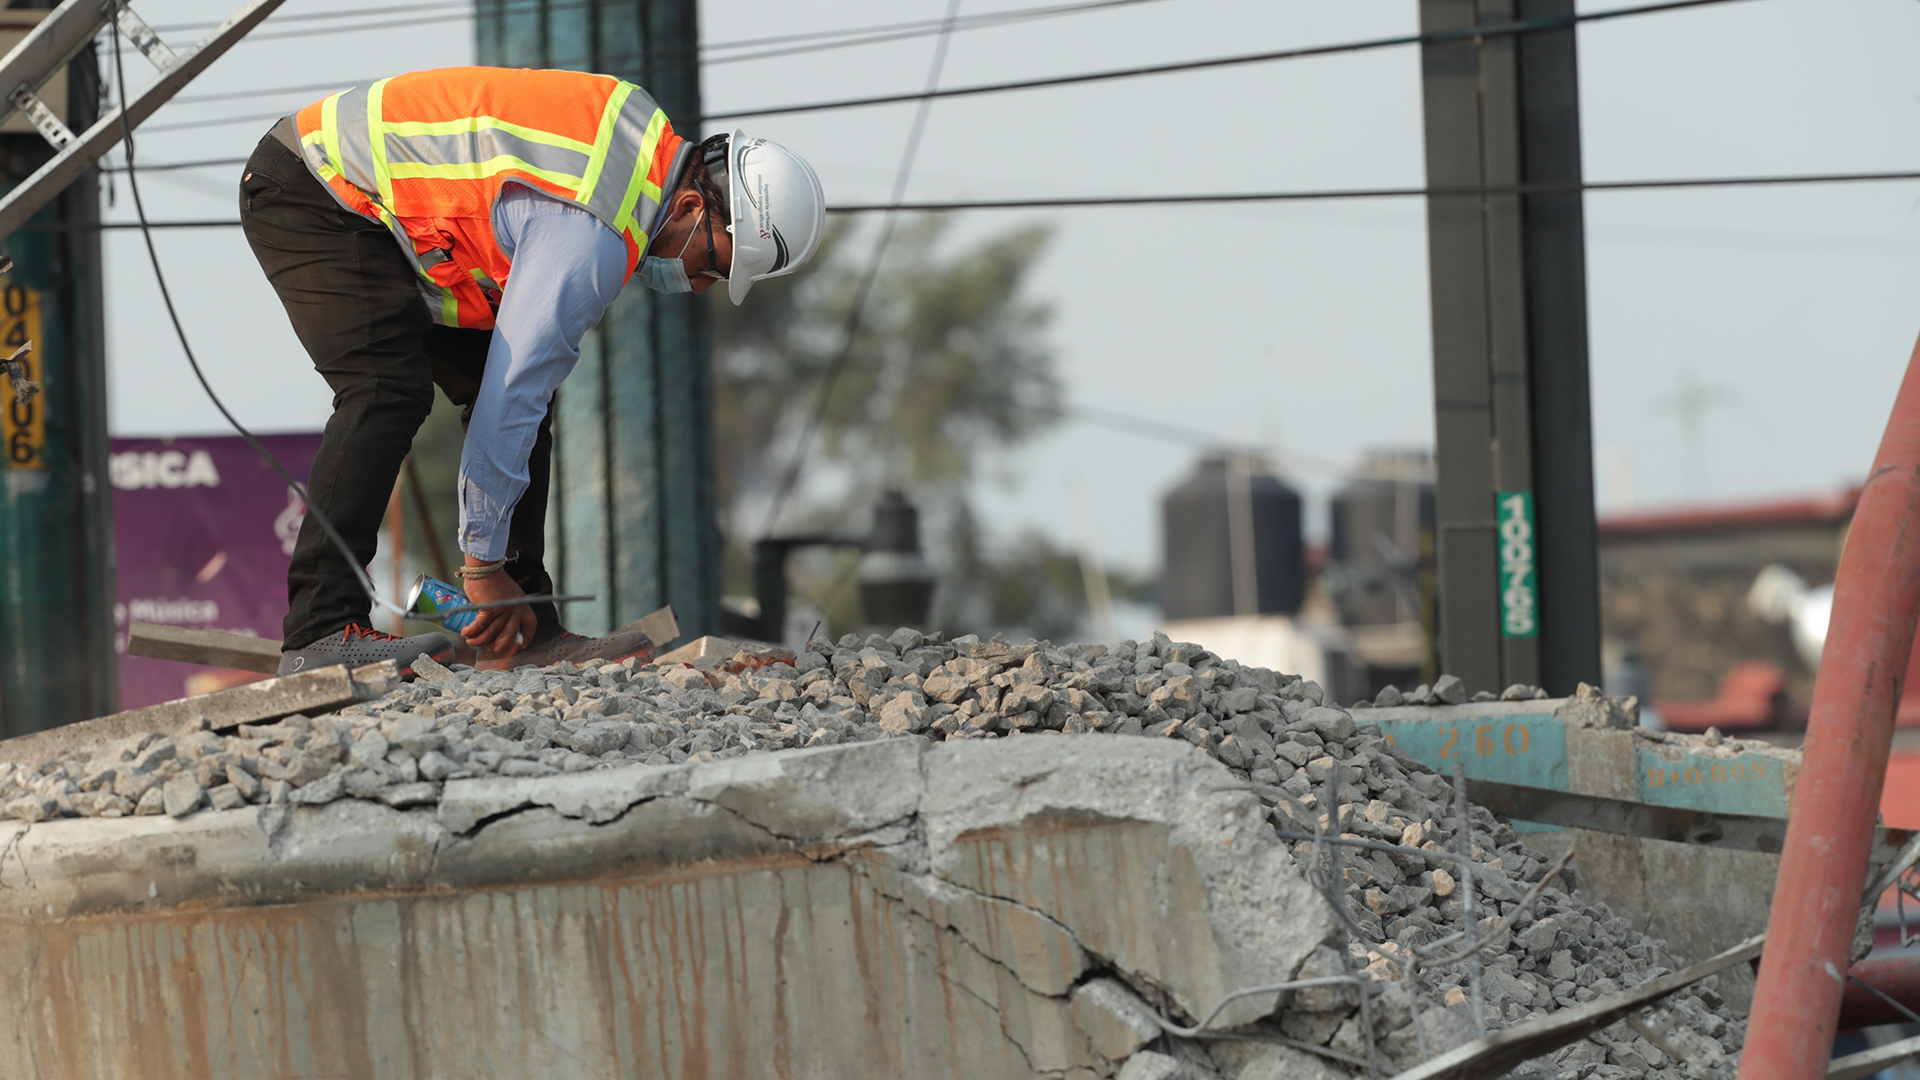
(603, 141)
(377, 141)
(449, 307)
(638, 184)
(330, 129)
(469, 124)
(475, 170)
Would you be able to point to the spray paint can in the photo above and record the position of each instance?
(431, 596)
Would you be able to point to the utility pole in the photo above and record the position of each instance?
(1518, 562)
(634, 519)
(57, 662)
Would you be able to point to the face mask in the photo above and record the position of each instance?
(664, 275)
(668, 275)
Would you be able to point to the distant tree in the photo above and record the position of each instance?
(948, 364)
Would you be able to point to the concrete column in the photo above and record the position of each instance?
(1518, 579)
(57, 663)
(633, 519)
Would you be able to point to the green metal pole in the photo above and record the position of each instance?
(57, 661)
(634, 516)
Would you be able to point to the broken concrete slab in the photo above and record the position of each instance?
(824, 793)
(670, 928)
(254, 703)
(209, 647)
(1191, 850)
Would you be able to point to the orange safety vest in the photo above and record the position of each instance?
(426, 153)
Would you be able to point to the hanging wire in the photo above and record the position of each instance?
(858, 309)
(1435, 37)
(299, 489)
(1438, 37)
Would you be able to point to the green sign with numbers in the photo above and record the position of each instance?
(1519, 579)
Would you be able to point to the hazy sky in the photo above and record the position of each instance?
(1298, 327)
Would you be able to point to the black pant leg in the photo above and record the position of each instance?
(354, 304)
(459, 358)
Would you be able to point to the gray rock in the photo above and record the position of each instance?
(226, 797)
(904, 714)
(181, 796)
(32, 808)
(437, 766)
(1449, 690)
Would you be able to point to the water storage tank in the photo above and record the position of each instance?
(1232, 543)
(1382, 536)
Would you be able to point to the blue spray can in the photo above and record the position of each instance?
(430, 596)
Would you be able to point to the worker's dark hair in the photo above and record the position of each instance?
(706, 173)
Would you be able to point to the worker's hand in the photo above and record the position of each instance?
(498, 630)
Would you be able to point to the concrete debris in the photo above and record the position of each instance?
(1274, 733)
(1447, 690)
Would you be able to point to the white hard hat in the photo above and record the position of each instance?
(778, 211)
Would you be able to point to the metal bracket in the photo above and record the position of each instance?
(58, 38)
(144, 38)
(36, 110)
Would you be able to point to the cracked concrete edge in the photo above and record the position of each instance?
(1226, 909)
(1257, 918)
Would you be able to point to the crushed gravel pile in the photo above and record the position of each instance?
(1272, 730)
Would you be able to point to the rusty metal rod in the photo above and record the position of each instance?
(1849, 733)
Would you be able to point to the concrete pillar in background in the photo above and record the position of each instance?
(1518, 567)
(633, 518)
(57, 662)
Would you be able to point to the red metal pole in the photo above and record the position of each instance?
(1823, 870)
(1898, 977)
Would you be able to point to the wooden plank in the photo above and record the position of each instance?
(661, 627)
(309, 692)
(1495, 1054)
(209, 647)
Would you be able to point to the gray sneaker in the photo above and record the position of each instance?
(551, 644)
(357, 645)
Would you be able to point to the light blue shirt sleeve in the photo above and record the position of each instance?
(567, 267)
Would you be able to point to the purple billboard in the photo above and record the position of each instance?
(203, 533)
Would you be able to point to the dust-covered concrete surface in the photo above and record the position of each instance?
(645, 868)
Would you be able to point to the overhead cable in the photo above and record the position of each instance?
(1046, 202)
(848, 38)
(1327, 195)
(1436, 37)
(1430, 38)
(823, 39)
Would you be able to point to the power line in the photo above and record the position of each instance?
(1432, 38)
(1437, 37)
(875, 35)
(1042, 202)
(305, 88)
(828, 39)
(248, 118)
(1327, 195)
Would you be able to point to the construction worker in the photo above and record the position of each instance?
(521, 202)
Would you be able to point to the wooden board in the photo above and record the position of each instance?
(209, 647)
(316, 691)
